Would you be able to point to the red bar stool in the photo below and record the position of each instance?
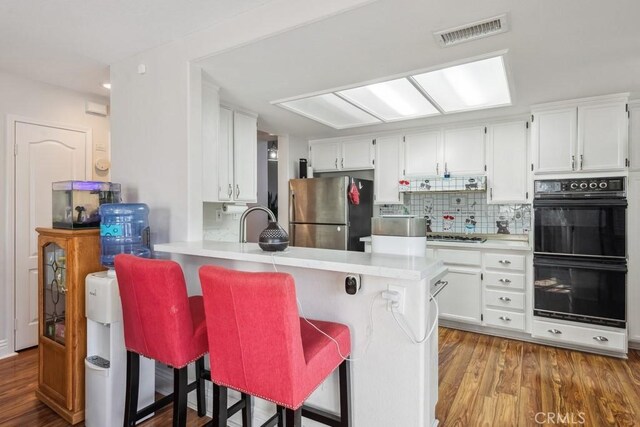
(162, 323)
(263, 348)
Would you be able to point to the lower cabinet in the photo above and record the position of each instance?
(461, 299)
(585, 336)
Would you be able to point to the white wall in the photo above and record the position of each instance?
(40, 101)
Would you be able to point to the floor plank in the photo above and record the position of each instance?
(485, 381)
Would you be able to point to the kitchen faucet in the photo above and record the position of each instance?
(243, 220)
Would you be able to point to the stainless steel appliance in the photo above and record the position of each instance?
(580, 260)
(323, 215)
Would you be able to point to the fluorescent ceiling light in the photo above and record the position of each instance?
(475, 85)
(392, 100)
(330, 110)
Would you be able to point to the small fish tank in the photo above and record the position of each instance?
(75, 203)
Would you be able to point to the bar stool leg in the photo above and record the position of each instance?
(280, 410)
(293, 418)
(133, 382)
(344, 374)
(247, 410)
(200, 393)
(219, 406)
(180, 397)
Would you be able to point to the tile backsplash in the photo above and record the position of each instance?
(463, 212)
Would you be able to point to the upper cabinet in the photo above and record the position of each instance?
(634, 136)
(422, 154)
(332, 155)
(229, 156)
(583, 135)
(464, 150)
(387, 171)
(507, 162)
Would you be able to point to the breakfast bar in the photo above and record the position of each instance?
(394, 380)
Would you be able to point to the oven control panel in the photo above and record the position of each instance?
(579, 187)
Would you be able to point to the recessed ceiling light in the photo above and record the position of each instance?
(393, 100)
(106, 85)
(470, 86)
(330, 110)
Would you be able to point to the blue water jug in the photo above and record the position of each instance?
(124, 229)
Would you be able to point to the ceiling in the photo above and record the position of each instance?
(556, 50)
(71, 43)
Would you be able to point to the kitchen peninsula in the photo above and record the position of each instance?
(394, 382)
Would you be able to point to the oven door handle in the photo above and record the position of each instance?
(562, 261)
(580, 203)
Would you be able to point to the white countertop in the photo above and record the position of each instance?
(380, 265)
(489, 244)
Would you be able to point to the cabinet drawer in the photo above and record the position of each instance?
(504, 319)
(580, 335)
(504, 280)
(454, 256)
(504, 261)
(502, 299)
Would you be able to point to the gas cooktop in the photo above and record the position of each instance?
(455, 238)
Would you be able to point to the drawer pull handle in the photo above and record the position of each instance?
(505, 318)
(505, 299)
(504, 261)
(506, 281)
(555, 331)
(600, 338)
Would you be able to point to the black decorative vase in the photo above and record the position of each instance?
(273, 238)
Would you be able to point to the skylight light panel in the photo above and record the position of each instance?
(390, 101)
(470, 86)
(330, 110)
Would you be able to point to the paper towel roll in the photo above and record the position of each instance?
(234, 209)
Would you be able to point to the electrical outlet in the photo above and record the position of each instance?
(218, 215)
(400, 304)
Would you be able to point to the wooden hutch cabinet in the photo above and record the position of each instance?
(65, 257)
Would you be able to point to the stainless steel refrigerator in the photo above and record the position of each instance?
(322, 216)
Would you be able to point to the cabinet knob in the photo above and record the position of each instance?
(600, 338)
(505, 281)
(505, 318)
(342, 163)
(581, 160)
(336, 163)
(555, 331)
(237, 190)
(505, 299)
(230, 191)
(573, 163)
(504, 261)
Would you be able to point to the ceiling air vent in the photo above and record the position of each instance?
(473, 31)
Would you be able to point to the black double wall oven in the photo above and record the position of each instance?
(580, 258)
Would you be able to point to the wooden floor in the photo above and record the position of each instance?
(484, 381)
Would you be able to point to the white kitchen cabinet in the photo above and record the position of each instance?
(507, 162)
(463, 150)
(422, 154)
(245, 153)
(461, 300)
(634, 136)
(237, 157)
(587, 135)
(324, 156)
(633, 275)
(357, 154)
(336, 155)
(387, 170)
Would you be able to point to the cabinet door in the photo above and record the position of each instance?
(245, 152)
(507, 162)
(464, 150)
(634, 136)
(461, 299)
(357, 154)
(325, 156)
(602, 136)
(633, 276)
(225, 155)
(422, 154)
(387, 171)
(554, 140)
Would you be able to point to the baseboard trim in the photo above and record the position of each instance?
(4, 350)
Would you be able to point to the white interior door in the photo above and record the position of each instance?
(43, 155)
